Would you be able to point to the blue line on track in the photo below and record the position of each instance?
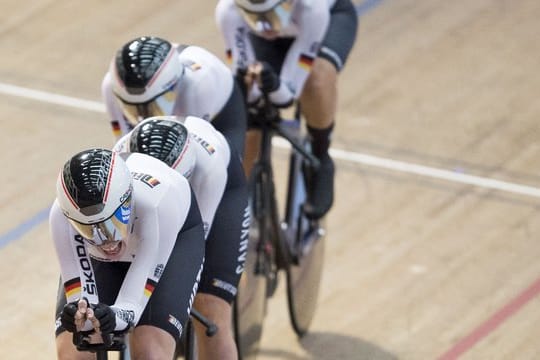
(22, 229)
(365, 6)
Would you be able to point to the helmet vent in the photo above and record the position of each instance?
(86, 177)
(164, 140)
(139, 60)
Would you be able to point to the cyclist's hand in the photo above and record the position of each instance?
(268, 80)
(103, 318)
(68, 317)
(74, 314)
(242, 80)
(255, 113)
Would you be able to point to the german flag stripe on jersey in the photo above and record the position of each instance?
(210, 149)
(305, 62)
(72, 287)
(228, 55)
(149, 287)
(153, 181)
(116, 128)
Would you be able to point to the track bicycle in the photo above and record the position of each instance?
(116, 341)
(290, 242)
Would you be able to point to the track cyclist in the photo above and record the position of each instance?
(130, 242)
(150, 76)
(300, 47)
(199, 152)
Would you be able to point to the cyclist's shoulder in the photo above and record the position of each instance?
(224, 6)
(211, 144)
(195, 53)
(152, 176)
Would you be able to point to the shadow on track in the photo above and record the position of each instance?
(324, 346)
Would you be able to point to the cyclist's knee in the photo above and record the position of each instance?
(322, 79)
(213, 307)
(150, 342)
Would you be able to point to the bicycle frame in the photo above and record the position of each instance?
(264, 201)
(277, 243)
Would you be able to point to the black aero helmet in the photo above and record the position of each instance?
(94, 191)
(167, 139)
(144, 74)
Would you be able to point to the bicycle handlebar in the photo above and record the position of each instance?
(116, 341)
(272, 119)
(110, 342)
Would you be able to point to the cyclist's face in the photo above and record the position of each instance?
(270, 23)
(161, 105)
(113, 250)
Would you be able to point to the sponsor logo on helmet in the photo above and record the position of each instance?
(125, 214)
(170, 84)
(127, 194)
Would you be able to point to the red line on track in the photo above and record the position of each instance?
(492, 323)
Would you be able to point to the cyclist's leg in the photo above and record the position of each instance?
(167, 310)
(226, 249)
(151, 342)
(221, 345)
(319, 99)
(67, 351)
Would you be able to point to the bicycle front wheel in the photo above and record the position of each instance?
(304, 277)
(305, 241)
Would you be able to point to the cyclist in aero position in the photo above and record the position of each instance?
(196, 150)
(305, 42)
(150, 76)
(130, 242)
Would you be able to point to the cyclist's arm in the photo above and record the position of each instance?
(210, 175)
(158, 226)
(234, 31)
(78, 278)
(206, 84)
(313, 22)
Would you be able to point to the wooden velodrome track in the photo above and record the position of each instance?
(433, 243)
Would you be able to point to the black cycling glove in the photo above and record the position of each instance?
(67, 318)
(106, 317)
(269, 78)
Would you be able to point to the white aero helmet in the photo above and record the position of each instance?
(94, 192)
(145, 73)
(166, 138)
(265, 15)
